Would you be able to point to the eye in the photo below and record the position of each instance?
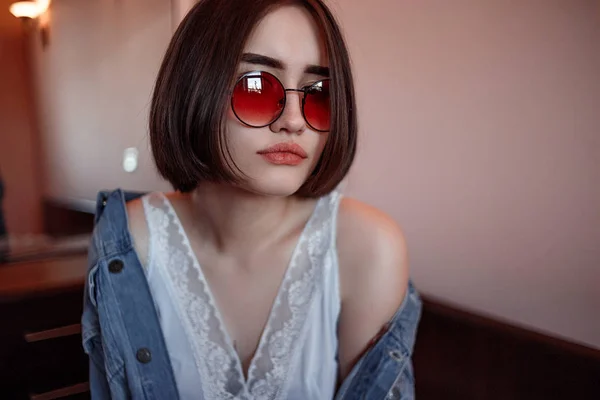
(314, 88)
(248, 74)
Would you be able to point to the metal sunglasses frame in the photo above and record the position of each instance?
(305, 90)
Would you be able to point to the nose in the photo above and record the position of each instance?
(291, 120)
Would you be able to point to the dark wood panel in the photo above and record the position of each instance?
(40, 308)
(39, 277)
(62, 218)
(40, 351)
(460, 355)
(55, 364)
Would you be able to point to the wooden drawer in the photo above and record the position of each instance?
(40, 313)
(55, 363)
(40, 346)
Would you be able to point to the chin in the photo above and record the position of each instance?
(278, 185)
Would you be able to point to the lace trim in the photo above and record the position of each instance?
(217, 362)
(269, 369)
(194, 306)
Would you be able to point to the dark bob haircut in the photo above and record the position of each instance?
(191, 95)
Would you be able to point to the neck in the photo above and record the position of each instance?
(236, 220)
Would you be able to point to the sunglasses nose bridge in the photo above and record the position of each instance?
(301, 96)
(291, 117)
(300, 91)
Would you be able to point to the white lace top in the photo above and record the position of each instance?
(296, 357)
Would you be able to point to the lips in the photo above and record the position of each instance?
(284, 154)
(292, 148)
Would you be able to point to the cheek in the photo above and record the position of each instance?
(322, 141)
(234, 137)
(243, 142)
(316, 148)
(231, 118)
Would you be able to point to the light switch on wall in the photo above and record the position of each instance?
(130, 159)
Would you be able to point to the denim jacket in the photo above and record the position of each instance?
(122, 335)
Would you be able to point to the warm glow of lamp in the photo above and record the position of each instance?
(26, 9)
(36, 11)
(43, 4)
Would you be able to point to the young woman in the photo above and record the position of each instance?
(255, 279)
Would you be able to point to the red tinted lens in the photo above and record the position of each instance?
(258, 99)
(317, 106)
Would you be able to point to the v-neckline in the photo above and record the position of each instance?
(245, 376)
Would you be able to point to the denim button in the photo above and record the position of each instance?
(115, 266)
(143, 355)
(396, 355)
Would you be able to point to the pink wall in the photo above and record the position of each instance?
(19, 164)
(479, 134)
(94, 83)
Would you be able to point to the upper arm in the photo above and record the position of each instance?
(138, 228)
(373, 277)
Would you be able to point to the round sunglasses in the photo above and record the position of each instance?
(259, 98)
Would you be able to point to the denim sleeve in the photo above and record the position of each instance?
(99, 388)
(386, 370)
(404, 386)
(92, 341)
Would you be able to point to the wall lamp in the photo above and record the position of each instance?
(33, 11)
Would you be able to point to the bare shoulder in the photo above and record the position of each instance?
(138, 228)
(369, 233)
(371, 245)
(373, 261)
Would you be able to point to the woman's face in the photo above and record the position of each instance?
(291, 47)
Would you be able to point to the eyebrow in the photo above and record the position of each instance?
(259, 59)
